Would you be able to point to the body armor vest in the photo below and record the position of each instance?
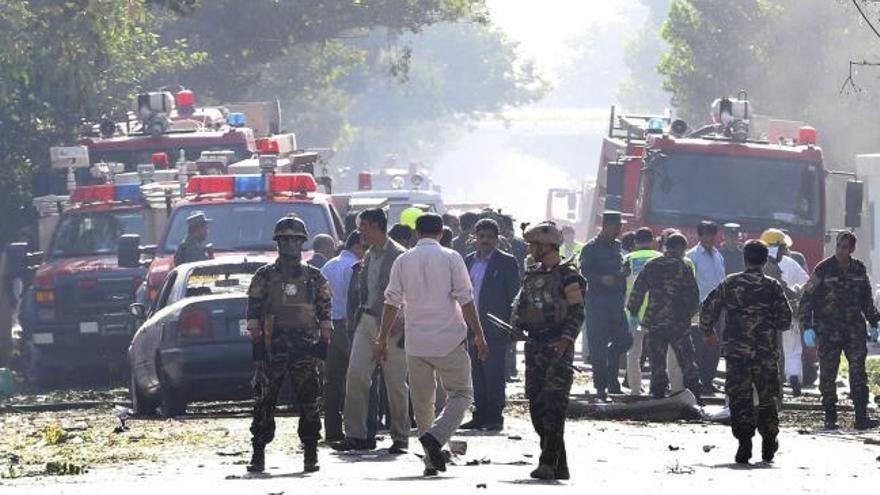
(291, 301)
(545, 305)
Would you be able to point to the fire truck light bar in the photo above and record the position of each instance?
(249, 184)
(106, 193)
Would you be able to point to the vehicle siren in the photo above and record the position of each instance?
(679, 128)
(185, 101)
(159, 159)
(107, 128)
(153, 109)
(732, 116)
(655, 126)
(807, 136)
(236, 119)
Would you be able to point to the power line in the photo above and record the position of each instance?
(865, 17)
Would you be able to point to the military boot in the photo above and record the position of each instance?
(744, 453)
(544, 472)
(863, 422)
(258, 460)
(795, 386)
(310, 457)
(830, 417)
(769, 446)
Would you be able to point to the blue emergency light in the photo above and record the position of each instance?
(249, 184)
(236, 119)
(129, 192)
(655, 126)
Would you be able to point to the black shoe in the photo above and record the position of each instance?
(433, 452)
(429, 472)
(744, 453)
(310, 457)
(544, 472)
(709, 390)
(769, 446)
(258, 460)
(660, 394)
(795, 386)
(561, 472)
(471, 425)
(614, 388)
(601, 394)
(349, 444)
(493, 426)
(831, 418)
(863, 422)
(398, 447)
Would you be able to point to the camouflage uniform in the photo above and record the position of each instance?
(674, 299)
(298, 297)
(756, 312)
(836, 302)
(550, 306)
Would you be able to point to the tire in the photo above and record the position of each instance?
(172, 402)
(141, 405)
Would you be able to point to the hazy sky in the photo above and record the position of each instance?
(543, 27)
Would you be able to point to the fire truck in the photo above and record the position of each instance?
(242, 210)
(571, 207)
(124, 186)
(660, 174)
(74, 312)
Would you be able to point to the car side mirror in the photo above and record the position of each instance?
(138, 310)
(855, 194)
(129, 254)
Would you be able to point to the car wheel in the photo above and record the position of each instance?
(141, 405)
(172, 401)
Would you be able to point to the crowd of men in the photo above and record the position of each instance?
(416, 323)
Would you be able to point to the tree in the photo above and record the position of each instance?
(643, 90)
(62, 63)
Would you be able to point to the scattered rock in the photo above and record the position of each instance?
(708, 448)
(514, 437)
(57, 468)
(231, 454)
(481, 485)
(674, 448)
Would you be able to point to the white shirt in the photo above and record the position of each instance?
(710, 268)
(431, 283)
(793, 274)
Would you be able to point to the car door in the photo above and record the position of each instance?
(153, 329)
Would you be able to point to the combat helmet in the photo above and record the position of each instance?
(544, 233)
(290, 226)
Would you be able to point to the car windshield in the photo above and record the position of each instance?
(220, 279)
(760, 190)
(246, 226)
(96, 232)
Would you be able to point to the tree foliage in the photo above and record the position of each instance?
(62, 63)
(790, 55)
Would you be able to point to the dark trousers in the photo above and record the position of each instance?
(335, 368)
(658, 340)
(853, 344)
(609, 338)
(306, 384)
(707, 357)
(548, 384)
(489, 382)
(742, 375)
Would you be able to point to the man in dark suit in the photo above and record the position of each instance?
(496, 281)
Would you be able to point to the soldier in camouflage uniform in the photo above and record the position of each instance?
(288, 318)
(550, 308)
(835, 303)
(674, 300)
(757, 311)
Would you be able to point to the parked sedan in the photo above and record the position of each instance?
(193, 345)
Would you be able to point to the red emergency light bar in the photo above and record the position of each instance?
(232, 185)
(93, 194)
(281, 183)
(267, 146)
